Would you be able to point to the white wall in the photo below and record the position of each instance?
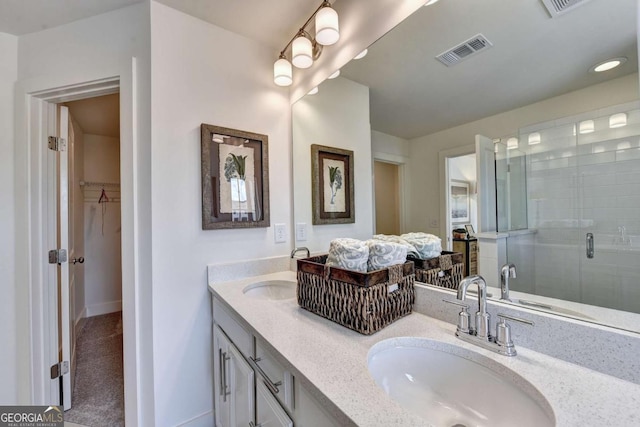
(203, 74)
(424, 150)
(338, 116)
(387, 147)
(103, 269)
(78, 52)
(8, 330)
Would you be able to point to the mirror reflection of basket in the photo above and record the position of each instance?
(446, 271)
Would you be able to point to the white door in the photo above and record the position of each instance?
(63, 243)
(486, 183)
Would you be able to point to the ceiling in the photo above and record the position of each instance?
(534, 57)
(97, 116)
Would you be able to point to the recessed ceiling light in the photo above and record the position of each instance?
(334, 75)
(361, 54)
(609, 64)
(313, 91)
(430, 2)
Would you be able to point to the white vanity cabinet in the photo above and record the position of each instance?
(234, 396)
(251, 386)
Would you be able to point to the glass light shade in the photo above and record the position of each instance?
(587, 126)
(534, 138)
(327, 29)
(334, 75)
(302, 52)
(512, 143)
(282, 73)
(618, 120)
(361, 54)
(313, 91)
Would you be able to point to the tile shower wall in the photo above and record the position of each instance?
(579, 184)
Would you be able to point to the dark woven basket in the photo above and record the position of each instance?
(364, 302)
(446, 271)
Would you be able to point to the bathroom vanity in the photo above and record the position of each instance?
(296, 368)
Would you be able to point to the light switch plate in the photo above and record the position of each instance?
(301, 231)
(280, 233)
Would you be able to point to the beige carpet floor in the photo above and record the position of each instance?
(98, 395)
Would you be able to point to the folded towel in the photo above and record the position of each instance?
(385, 254)
(426, 245)
(411, 250)
(350, 254)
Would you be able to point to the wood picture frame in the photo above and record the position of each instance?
(235, 178)
(332, 185)
(459, 201)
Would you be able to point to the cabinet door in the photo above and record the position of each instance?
(269, 411)
(221, 400)
(241, 387)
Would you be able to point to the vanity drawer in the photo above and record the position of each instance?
(270, 371)
(234, 330)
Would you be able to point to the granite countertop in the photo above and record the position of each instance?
(334, 360)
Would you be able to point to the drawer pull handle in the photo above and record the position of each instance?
(270, 384)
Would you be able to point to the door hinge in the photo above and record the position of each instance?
(57, 256)
(57, 144)
(59, 369)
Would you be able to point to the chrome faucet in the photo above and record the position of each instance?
(507, 271)
(482, 317)
(501, 342)
(301, 248)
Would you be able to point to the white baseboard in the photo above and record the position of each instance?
(202, 420)
(103, 308)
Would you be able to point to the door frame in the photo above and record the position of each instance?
(443, 162)
(34, 112)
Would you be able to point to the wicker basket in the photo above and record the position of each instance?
(364, 302)
(446, 271)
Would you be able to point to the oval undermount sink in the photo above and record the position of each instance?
(450, 386)
(271, 290)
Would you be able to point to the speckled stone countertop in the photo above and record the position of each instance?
(334, 360)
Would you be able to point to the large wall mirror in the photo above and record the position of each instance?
(530, 81)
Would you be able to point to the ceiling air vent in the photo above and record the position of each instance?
(464, 50)
(559, 7)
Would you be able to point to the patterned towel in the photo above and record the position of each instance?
(385, 254)
(350, 254)
(427, 245)
(411, 250)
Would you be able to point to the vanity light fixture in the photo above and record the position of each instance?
(313, 91)
(334, 75)
(609, 64)
(618, 120)
(361, 54)
(586, 126)
(534, 138)
(304, 48)
(512, 143)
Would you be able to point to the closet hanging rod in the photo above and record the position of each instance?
(99, 184)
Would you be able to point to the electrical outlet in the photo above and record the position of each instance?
(280, 232)
(301, 231)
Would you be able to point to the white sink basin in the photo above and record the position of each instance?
(450, 386)
(271, 290)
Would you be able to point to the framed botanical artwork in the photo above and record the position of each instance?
(235, 178)
(459, 201)
(332, 185)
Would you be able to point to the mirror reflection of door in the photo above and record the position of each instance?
(387, 197)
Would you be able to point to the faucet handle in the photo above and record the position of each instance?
(503, 333)
(463, 317)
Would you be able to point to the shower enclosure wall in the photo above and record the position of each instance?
(582, 186)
